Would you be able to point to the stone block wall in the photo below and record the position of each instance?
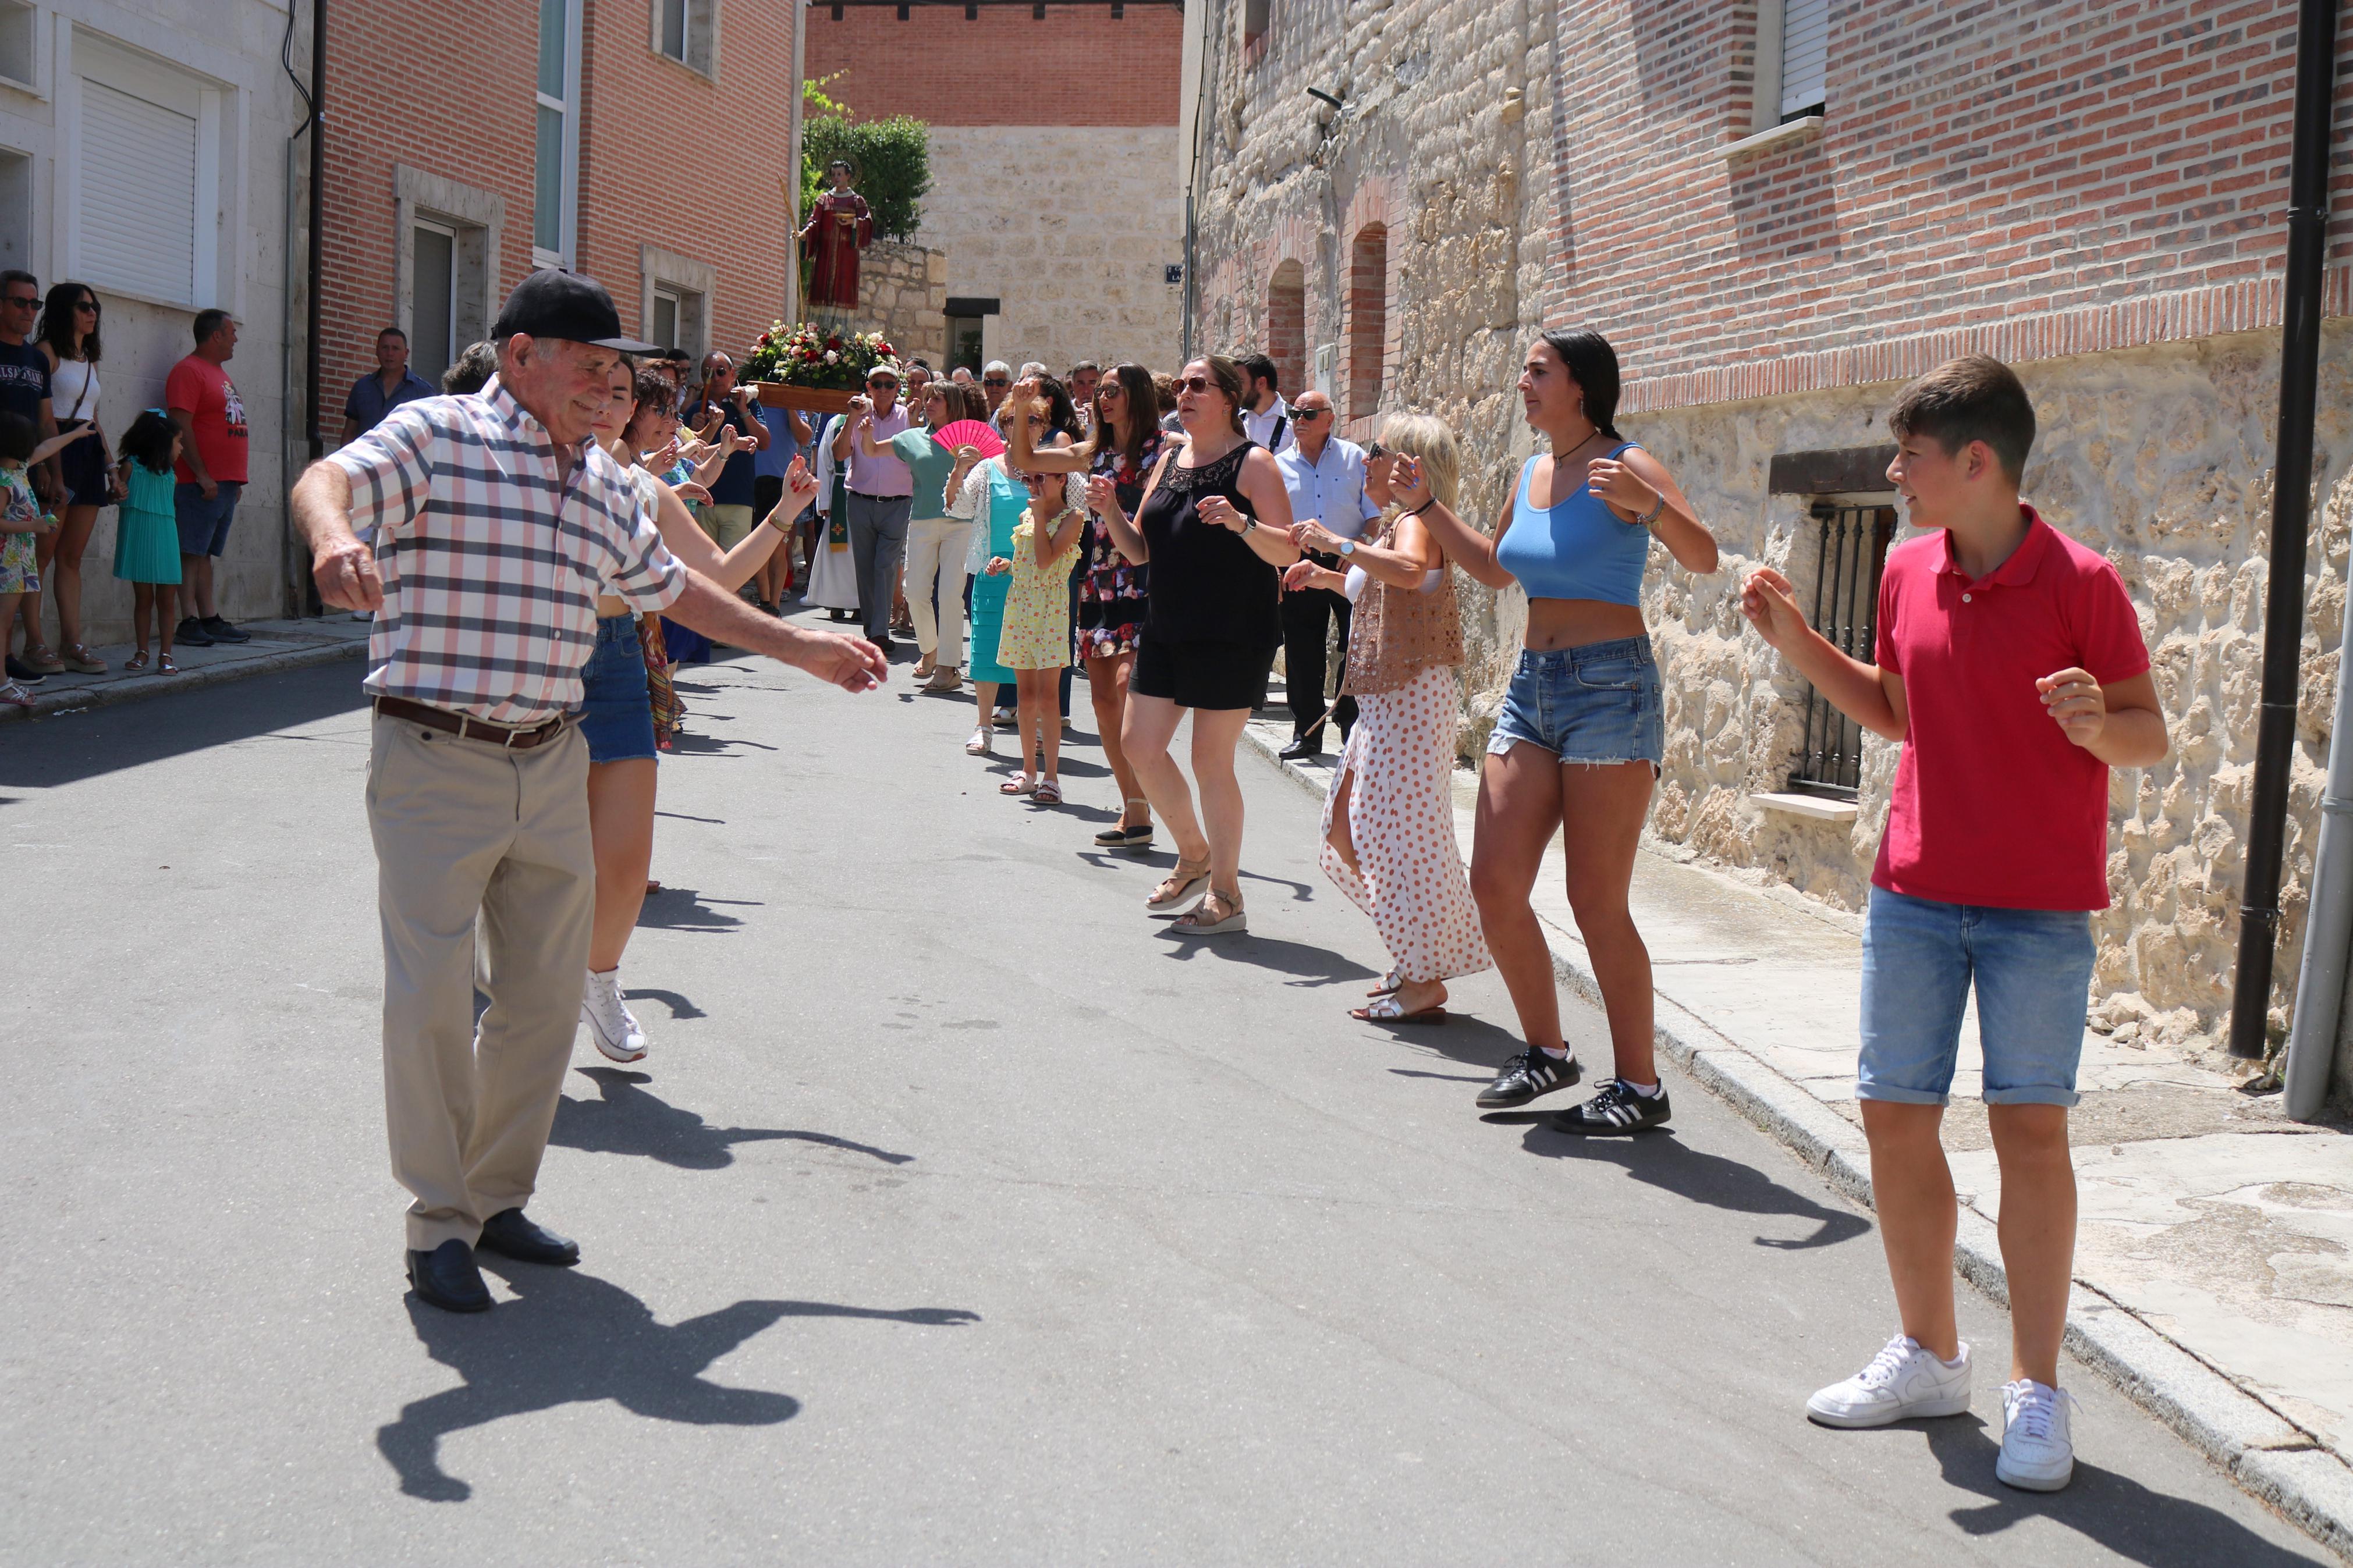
(903, 292)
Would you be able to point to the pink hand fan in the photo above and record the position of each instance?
(973, 432)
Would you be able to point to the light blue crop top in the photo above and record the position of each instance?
(1577, 549)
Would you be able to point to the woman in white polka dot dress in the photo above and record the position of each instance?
(1389, 819)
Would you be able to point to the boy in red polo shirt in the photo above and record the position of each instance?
(2011, 668)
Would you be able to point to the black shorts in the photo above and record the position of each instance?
(83, 466)
(1217, 676)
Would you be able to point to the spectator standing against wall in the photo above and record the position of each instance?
(25, 390)
(1325, 478)
(202, 402)
(385, 388)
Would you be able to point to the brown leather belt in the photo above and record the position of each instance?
(466, 727)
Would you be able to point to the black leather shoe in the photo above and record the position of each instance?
(1526, 1076)
(447, 1277)
(1301, 749)
(511, 1234)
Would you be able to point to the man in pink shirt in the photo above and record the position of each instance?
(2011, 665)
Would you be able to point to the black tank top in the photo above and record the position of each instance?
(1207, 584)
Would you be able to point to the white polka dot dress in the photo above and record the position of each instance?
(1409, 875)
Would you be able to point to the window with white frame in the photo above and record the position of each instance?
(146, 183)
(555, 179)
(1803, 57)
(446, 239)
(18, 53)
(677, 291)
(686, 31)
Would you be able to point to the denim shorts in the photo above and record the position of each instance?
(1599, 703)
(203, 524)
(2033, 968)
(619, 720)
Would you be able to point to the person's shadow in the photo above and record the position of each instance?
(2117, 1511)
(1661, 1160)
(571, 1337)
(628, 1119)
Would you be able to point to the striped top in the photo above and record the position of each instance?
(492, 562)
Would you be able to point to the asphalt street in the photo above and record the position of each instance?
(962, 1214)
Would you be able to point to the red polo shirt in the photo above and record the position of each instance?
(1993, 805)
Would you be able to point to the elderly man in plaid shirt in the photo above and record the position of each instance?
(499, 521)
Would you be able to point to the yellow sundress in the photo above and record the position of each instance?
(1036, 634)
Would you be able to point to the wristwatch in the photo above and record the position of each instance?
(1347, 547)
(1249, 523)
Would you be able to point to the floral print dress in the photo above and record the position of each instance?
(1113, 592)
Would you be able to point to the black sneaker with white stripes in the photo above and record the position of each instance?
(1616, 1109)
(1528, 1075)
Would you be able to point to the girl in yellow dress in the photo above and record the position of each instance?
(1035, 641)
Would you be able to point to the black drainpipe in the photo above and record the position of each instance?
(2307, 239)
(318, 212)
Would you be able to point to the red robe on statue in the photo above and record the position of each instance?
(839, 226)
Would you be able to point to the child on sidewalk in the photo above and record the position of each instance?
(20, 520)
(1035, 643)
(146, 537)
(2009, 663)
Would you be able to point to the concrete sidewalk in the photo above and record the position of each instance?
(2214, 1263)
(276, 646)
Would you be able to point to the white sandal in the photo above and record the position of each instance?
(980, 743)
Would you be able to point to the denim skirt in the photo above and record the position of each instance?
(618, 719)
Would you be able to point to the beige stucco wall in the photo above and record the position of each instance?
(1070, 228)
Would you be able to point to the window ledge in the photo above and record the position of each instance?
(26, 88)
(1807, 806)
(687, 65)
(1803, 128)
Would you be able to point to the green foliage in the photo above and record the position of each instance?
(894, 158)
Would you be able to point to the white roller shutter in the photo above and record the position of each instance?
(138, 194)
(1805, 54)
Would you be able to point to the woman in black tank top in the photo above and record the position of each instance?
(1215, 525)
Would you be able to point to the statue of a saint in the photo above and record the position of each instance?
(839, 226)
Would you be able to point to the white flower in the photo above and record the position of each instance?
(831, 357)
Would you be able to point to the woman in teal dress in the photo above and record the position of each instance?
(974, 482)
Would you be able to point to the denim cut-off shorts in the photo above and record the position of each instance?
(2032, 970)
(1595, 704)
(619, 720)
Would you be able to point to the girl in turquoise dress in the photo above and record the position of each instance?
(146, 536)
(987, 485)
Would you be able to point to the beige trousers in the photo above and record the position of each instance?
(935, 551)
(465, 830)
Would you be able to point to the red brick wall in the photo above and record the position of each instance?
(2044, 177)
(671, 158)
(1078, 66)
(403, 86)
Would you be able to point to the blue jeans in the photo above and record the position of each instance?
(2032, 971)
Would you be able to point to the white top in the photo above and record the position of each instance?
(74, 383)
(1260, 427)
(1329, 491)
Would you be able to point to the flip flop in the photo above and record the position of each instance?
(1384, 1009)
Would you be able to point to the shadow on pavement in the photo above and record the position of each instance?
(685, 909)
(2117, 1511)
(571, 1337)
(630, 1120)
(1661, 1160)
(1315, 966)
(677, 1001)
(44, 753)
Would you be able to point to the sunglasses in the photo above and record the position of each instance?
(90, 305)
(1302, 415)
(28, 300)
(995, 380)
(882, 380)
(1194, 384)
(1374, 451)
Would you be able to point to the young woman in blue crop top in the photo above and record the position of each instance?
(1582, 730)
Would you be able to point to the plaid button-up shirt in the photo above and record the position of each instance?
(492, 559)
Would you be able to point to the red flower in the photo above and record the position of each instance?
(834, 342)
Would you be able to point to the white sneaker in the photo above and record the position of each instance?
(1903, 1380)
(610, 1022)
(2038, 1452)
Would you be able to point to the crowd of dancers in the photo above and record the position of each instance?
(1150, 537)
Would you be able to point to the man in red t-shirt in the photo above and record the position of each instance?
(202, 402)
(2011, 665)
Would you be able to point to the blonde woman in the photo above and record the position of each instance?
(1389, 818)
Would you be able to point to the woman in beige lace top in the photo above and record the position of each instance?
(1389, 819)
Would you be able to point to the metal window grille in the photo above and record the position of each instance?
(1846, 611)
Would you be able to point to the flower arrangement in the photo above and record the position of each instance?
(806, 356)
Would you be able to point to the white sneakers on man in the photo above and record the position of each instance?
(2038, 1451)
(1903, 1380)
(610, 1022)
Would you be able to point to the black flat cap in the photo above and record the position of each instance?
(552, 303)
